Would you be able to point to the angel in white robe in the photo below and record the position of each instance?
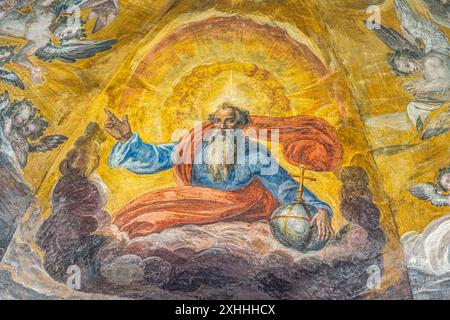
(60, 19)
(20, 127)
(15, 194)
(422, 49)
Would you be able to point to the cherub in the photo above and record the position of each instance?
(33, 130)
(59, 18)
(21, 124)
(8, 76)
(437, 194)
(422, 49)
(14, 114)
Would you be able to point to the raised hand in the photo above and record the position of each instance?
(118, 129)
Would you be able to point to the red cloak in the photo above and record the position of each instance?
(308, 141)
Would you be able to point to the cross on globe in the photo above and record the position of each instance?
(291, 226)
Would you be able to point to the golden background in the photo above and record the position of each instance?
(176, 61)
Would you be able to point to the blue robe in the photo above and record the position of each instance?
(145, 158)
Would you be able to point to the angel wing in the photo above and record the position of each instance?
(104, 11)
(11, 78)
(67, 6)
(430, 192)
(437, 126)
(439, 10)
(71, 51)
(8, 6)
(47, 143)
(421, 29)
(394, 40)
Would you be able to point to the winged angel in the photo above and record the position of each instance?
(422, 49)
(19, 125)
(437, 194)
(60, 19)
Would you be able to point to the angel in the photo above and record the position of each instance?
(59, 18)
(21, 124)
(33, 130)
(8, 76)
(15, 194)
(421, 49)
(71, 48)
(12, 115)
(437, 194)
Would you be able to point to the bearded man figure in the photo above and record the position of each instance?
(222, 171)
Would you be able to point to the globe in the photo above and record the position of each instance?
(291, 226)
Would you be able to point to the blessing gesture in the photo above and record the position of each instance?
(118, 129)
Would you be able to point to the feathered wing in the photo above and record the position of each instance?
(437, 126)
(430, 192)
(421, 29)
(440, 11)
(73, 50)
(67, 6)
(393, 39)
(47, 143)
(11, 78)
(7, 7)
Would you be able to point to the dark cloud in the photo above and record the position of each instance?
(223, 260)
(202, 267)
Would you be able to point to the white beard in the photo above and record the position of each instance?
(221, 155)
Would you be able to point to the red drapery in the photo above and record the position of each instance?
(308, 141)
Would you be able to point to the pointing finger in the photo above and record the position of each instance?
(110, 114)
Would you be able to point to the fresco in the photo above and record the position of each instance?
(227, 149)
